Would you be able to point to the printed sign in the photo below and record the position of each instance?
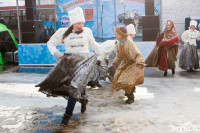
(65, 21)
(89, 14)
(64, 24)
(138, 1)
(109, 12)
(73, 4)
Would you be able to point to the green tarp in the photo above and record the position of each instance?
(4, 28)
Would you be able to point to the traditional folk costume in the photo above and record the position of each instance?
(165, 51)
(189, 59)
(74, 44)
(130, 72)
(109, 50)
(70, 75)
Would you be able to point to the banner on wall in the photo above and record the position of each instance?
(89, 9)
(110, 14)
(65, 21)
(131, 12)
(157, 7)
(138, 1)
(73, 4)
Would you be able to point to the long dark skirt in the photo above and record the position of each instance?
(69, 76)
(189, 58)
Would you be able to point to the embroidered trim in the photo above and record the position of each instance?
(78, 37)
(77, 46)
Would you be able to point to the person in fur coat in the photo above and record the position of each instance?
(109, 50)
(130, 72)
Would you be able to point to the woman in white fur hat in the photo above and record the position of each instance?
(189, 56)
(74, 68)
(131, 31)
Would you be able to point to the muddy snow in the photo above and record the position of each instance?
(162, 105)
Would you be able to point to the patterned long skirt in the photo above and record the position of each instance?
(69, 76)
(189, 58)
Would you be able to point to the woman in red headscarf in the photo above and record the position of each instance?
(164, 54)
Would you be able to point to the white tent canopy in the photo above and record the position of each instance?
(7, 3)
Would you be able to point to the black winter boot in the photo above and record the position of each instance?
(91, 83)
(126, 94)
(165, 73)
(130, 96)
(173, 71)
(65, 120)
(84, 105)
(96, 83)
(191, 69)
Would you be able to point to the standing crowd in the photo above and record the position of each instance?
(120, 60)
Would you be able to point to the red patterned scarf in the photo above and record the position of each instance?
(170, 39)
(169, 33)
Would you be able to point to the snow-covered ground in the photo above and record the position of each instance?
(162, 105)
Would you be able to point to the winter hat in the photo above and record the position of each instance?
(193, 22)
(130, 29)
(76, 15)
(122, 31)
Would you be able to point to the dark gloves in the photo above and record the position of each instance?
(98, 62)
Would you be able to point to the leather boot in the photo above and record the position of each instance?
(173, 71)
(65, 120)
(91, 84)
(165, 73)
(130, 96)
(191, 69)
(96, 83)
(84, 105)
